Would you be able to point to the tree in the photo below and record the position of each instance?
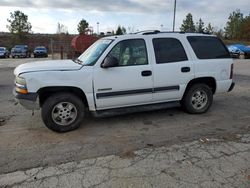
(124, 30)
(82, 26)
(220, 33)
(233, 29)
(246, 28)
(19, 25)
(120, 30)
(209, 29)
(188, 24)
(200, 26)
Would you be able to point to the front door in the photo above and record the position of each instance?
(129, 83)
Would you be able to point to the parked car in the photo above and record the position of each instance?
(20, 51)
(127, 73)
(4, 52)
(40, 51)
(239, 51)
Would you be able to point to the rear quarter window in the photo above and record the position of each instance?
(208, 47)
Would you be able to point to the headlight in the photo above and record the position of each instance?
(20, 80)
(21, 85)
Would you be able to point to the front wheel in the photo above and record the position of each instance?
(197, 99)
(63, 112)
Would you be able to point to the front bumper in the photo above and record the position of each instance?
(231, 87)
(40, 54)
(18, 54)
(28, 101)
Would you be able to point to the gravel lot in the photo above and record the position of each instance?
(26, 143)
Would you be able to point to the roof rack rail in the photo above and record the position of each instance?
(151, 32)
(181, 32)
(148, 32)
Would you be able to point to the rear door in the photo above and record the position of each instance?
(172, 69)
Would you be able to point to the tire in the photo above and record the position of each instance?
(197, 99)
(63, 112)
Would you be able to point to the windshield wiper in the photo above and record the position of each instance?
(78, 61)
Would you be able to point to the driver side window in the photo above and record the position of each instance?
(130, 52)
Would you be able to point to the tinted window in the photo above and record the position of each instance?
(168, 50)
(130, 52)
(208, 47)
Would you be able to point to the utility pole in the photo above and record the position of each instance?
(174, 15)
(97, 28)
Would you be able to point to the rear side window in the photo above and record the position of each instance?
(208, 47)
(168, 50)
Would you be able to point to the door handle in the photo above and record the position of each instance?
(185, 69)
(146, 73)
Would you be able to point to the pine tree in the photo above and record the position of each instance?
(209, 29)
(188, 24)
(119, 31)
(233, 29)
(82, 26)
(200, 26)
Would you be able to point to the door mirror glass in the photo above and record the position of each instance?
(110, 61)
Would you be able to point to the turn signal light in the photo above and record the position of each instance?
(22, 91)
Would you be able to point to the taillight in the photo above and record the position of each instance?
(232, 71)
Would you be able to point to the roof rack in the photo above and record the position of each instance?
(151, 32)
(147, 32)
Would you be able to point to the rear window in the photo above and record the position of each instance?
(208, 47)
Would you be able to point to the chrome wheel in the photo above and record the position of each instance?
(64, 113)
(199, 99)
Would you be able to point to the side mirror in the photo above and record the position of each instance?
(110, 61)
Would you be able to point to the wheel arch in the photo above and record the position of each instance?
(210, 81)
(45, 92)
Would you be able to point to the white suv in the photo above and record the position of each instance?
(125, 74)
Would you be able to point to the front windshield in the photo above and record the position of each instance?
(92, 54)
(1, 49)
(40, 48)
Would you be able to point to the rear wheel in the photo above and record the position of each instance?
(197, 99)
(63, 112)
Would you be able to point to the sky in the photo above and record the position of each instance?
(134, 15)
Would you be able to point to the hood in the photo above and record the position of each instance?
(51, 65)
